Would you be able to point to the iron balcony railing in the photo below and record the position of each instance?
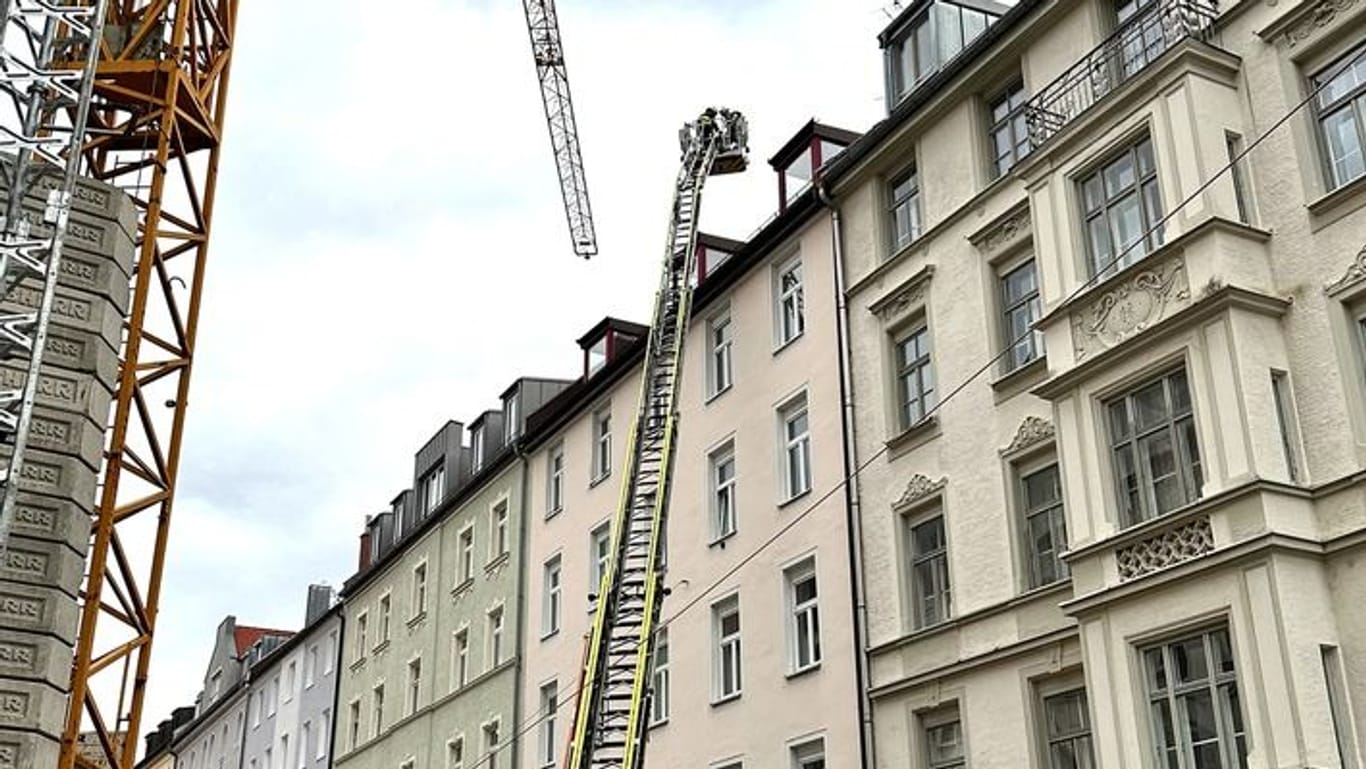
(1138, 42)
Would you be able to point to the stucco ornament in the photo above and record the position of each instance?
(1131, 307)
(1321, 15)
(1006, 231)
(918, 488)
(1356, 272)
(1032, 430)
(901, 302)
(1177, 545)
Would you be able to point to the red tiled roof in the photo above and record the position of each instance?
(245, 635)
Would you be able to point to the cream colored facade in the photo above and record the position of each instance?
(1257, 565)
(791, 708)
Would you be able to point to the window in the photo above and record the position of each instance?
(498, 524)
(1020, 308)
(291, 677)
(1197, 717)
(353, 737)
(414, 684)
(931, 601)
(284, 751)
(720, 335)
(1045, 526)
(1009, 129)
(551, 597)
(549, 704)
(809, 755)
(1067, 730)
(419, 590)
(723, 492)
(791, 302)
(466, 543)
(915, 377)
(254, 707)
(269, 759)
(491, 745)
(378, 709)
(1341, 112)
(726, 630)
(455, 753)
(476, 448)
(385, 606)
(804, 632)
(408, 763)
(659, 679)
(1121, 202)
(1285, 420)
(929, 42)
(796, 437)
(511, 418)
(274, 700)
(324, 733)
(903, 212)
(602, 443)
(329, 651)
(600, 555)
(1233, 144)
(944, 742)
(554, 495)
(305, 734)
(460, 652)
(216, 683)
(1337, 706)
(1156, 455)
(495, 637)
(433, 486)
(311, 667)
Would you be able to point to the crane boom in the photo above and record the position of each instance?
(543, 25)
(611, 716)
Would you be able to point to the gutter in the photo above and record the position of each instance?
(852, 506)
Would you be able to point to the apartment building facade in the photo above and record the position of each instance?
(292, 692)
(747, 643)
(431, 656)
(1131, 537)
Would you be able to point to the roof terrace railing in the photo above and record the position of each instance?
(1138, 42)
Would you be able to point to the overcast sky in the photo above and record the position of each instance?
(390, 250)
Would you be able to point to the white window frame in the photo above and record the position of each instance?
(419, 596)
(807, 754)
(464, 543)
(311, 666)
(355, 727)
(496, 619)
(492, 732)
(511, 405)
(789, 303)
(552, 596)
(324, 733)
(305, 732)
(385, 609)
(499, 518)
(477, 449)
(555, 473)
(803, 617)
(723, 492)
(795, 485)
(727, 680)
(273, 702)
(602, 442)
(413, 691)
(659, 678)
(460, 658)
(915, 225)
(599, 556)
(455, 752)
(377, 707)
(720, 353)
(291, 678)
(547, 737)
(331, 649)
(433, 486)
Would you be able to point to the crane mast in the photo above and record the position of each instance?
(611, 717)
(544, 27)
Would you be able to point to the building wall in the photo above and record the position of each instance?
(308, 701)
(1257, 552)
(214, 739)
(443, 712)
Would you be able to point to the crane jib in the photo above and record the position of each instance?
(612, 713)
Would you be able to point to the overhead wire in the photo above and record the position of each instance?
(1102, 272)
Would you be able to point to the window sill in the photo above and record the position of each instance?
(501, 560)
(1340, 201)
(599, 479)
(1021, 378)
(783, 345)
(713, 396)
(553, 512)
(661, 722)
(795, 497)
(721, 540)
(417, 619)
(800, 672)
(357, 664)
(549, 635)
(716, 703)
(914, 436)
(380, 647)
(462, 587)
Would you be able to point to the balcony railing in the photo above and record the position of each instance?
(1137, 43)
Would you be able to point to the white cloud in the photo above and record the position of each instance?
(390, 250)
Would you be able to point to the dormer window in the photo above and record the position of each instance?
(510, 418)
(477, 448)
(605, 340)
(433, 488)
(927, 36)
(712, 252)
(800, 160)
(597, 356)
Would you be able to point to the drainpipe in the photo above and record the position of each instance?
(334, 727)
(522, 610)
(852, 506)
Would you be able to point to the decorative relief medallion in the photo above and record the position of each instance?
(1129, 308)
(1190, 540)
(1032, 430)
(1321, 15)
(917, 489)
(1356, 272)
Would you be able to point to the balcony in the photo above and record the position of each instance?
(1139, 41)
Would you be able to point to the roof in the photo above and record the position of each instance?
(615, 324)
(279, 652)
(245, 636)
(894, 28)
(802, 139)
(772, 235)
(536, 379)
(543, 423)
(719, 243)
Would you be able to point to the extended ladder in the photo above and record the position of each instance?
(611, 718)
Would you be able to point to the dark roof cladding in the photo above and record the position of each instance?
(894, 28)
(558, 410)
(615, 324)
(802, 138)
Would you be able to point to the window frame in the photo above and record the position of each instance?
(1006, 96)
(602, 443)
(496, 619)
(914, 559)
(455, 752)
(1031, 303)
(922, 366)
(1148, 219)
(500, 516)
(413, 692)
(802, 615)
(491, 732)
(419, 590)
(547, 737)
(552, 595)
(377, 708)
(789, 327)
(723, 494)
(723, 642)
(720, 354)
(477, 449)
(554, 493)
(598, 558)
(355, 728)
(915, 218)
(460, 654)
(385, 609)
(1188, 472)
(804, 754)
(940, 718)
(1353, 101)
(798, 406)
(465, 546)
(1055, 510)
(659, 679)
(1048, 691)
(511, 405)
(1172, 694)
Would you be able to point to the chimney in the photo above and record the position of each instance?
(320, 598)
(363, 562)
